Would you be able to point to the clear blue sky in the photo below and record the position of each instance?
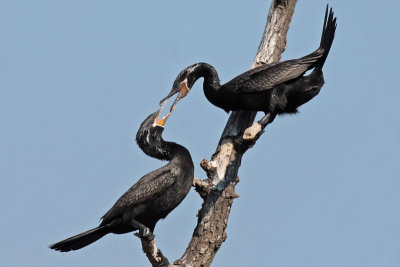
(78, 77)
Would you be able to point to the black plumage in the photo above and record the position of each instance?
(275, 88)
(154, 195)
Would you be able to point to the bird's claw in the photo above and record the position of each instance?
(251, 132)
(145, 234)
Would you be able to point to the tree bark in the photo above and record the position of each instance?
(218, 190)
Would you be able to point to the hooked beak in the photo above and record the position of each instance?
(182, 90)
(157, 120)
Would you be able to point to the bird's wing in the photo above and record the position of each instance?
(148, 187)
(268, 76)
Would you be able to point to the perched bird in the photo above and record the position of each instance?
(275, 88)
(154, 195)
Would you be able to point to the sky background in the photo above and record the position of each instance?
(78, 77)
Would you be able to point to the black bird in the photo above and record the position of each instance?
(275, 88)
(152, 198)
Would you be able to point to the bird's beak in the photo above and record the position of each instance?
(161, 122)
(157, 120)
(173, 91)
(182, 90)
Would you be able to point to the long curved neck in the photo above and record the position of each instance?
(155, 146)
(168, 150)
(211, 79)
(211, 85)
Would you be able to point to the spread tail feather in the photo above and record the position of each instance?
(81, 240)
(328, 34)
(317, 58)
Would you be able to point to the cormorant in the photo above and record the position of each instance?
(154, 195)
(275, 88)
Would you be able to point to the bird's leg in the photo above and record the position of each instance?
(267, 119)
(257, 128)
(144, 232)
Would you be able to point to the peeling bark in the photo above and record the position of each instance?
(218, 190)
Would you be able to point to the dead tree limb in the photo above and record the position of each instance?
(218, 190)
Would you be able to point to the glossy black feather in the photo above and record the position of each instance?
(275, 88)
(268, 76)
(152, 197)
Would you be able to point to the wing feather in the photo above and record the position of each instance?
(270, 75)
(148, 187)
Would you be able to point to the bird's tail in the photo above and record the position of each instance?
(81, 240)
(328, 34)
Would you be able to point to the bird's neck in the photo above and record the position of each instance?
(178, 152)
(211, 85)
(161, 149)
(210, 75)
(177, 155)
(211, 79)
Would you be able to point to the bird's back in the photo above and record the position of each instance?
(154, 195)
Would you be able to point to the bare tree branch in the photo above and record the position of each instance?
(218, 190)
(154, 255)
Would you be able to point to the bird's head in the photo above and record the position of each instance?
(154, 120)
(152, 127)
(149, 135)
(160, 122)
(183, 83)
